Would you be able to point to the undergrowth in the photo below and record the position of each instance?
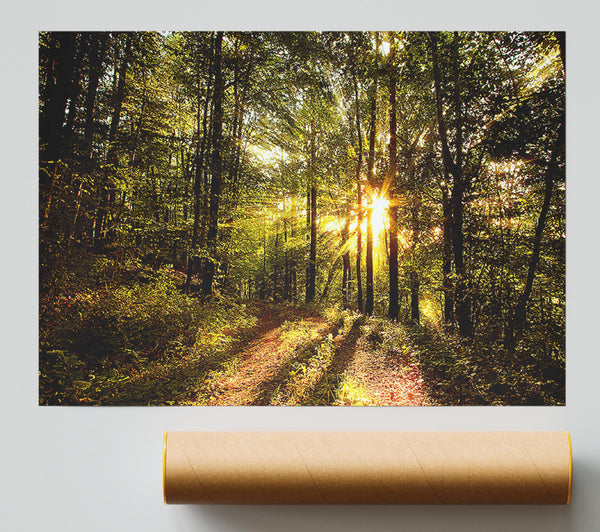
(115, 332)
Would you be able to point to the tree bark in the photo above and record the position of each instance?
(414, 296)
(462, 298)
(312, 260)
(241, 79)
(371, 179)
(393, 308)
(108, 192)
(199, 169)
(275, 262)
(293, 258)
(518, 319)
(459, 183)
(415, 282)
(57, 91)
(286, 264)
(369, 260)
(81, 47)
(359, 201)
(96, 53)
(216, 170)
(447, 256)
(346, 273)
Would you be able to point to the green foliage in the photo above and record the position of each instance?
(143, 318)
(127, 327)
(350, 393)
(484, 373)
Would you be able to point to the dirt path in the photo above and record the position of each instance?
(263, 355)
(386, 379)
(364, 375)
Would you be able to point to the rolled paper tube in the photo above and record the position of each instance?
(367, 467)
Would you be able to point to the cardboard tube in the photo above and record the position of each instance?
(367, 467)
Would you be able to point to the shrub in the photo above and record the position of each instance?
(146, 319)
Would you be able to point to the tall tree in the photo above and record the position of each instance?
(200, 154)
(312, 217)
(518, 318)
(216, 168)
(454, 168)
(108, 191)
(359, 198)
(372, 184)
(393, 307)
(58, 57)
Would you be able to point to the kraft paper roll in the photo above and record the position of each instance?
(367, 467)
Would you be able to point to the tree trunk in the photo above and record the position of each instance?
(108, 192)
(293, 260)
(463, 299)
(308, 219)
(111, 156)
(286, 265)
(331, 273)
(81, 50)
(187, 174)
(312, 265)
(414, 273)
(199, 169)
(347, 273)
(73, 227)
(414, 296)
(240, 80)
(57, 91)
(275, 262)
(312, 260)
(393, 308)
(359, 201)
(371, 179)
(216, 170)
(517, 321)
(447, 257)
(96, 53)
(459, 184)
(369, 260)
(140, 123)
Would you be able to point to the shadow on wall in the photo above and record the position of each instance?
(384, 518)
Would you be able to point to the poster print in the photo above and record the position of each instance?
(305, 218)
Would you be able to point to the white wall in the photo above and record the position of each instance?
(98, 469)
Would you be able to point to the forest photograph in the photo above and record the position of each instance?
(302, 218)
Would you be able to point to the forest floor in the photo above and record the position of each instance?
(263, 355)
(146, 343)
(294, 356)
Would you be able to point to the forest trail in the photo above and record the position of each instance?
(260, 357)
(386, 379)
(293, 356)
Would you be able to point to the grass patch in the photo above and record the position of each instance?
(351, 393)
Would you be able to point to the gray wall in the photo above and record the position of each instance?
(96, 469)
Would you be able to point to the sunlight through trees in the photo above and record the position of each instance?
(414, 175)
